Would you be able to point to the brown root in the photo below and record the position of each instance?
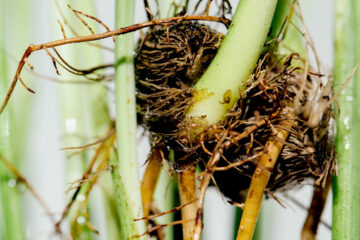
(314, 213)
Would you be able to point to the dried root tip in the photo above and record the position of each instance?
(314, 214)
(260, 179)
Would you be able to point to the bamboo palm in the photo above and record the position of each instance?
(346, 206)
(125, 172)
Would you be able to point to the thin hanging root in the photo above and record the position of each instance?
(260, 179)
(75, 33)
(103, 139)
(93, 18)
(161, 226)
(208, 7)
(188, 194)
(314, 214)
(33, 48)
(77, 14)
(102, 166)
(164, 213)
(62, 29)
(148, 184)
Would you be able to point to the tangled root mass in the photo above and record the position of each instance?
(169, 62)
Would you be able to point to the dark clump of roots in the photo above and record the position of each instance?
(308, 152)
(171, 60)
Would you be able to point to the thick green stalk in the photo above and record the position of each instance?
(11, 223)
(125, 173)
(220, 86)
(346, 202)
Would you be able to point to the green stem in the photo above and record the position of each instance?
(167, 7)
(21, 34)
(164, 199)
(125, 173)
(11, 223)
(286, 25)
(346, 192)
(220, 86)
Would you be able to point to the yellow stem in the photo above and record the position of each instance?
(188, 194)
(148, 184)
(260, 180)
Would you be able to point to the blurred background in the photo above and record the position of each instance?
(41, 128)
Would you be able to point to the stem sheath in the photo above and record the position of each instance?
(125, 174)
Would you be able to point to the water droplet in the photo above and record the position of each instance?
(81, 197)
(7, 129)
(347, 123)
(81, 220)
(70, 125)
(349, 98)
(347, 146)
(12, 183)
